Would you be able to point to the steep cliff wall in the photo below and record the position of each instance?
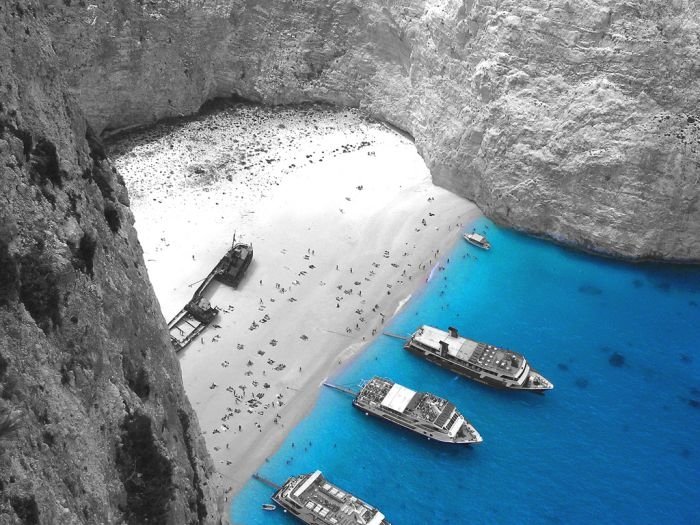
(573, 120)
(105, 433)
(568, 119)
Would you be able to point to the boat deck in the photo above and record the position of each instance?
(326, 503)
(420, 405)
(183, 329)
(481, 355)
(495, 358)
(233, 265)
(375, 390)
(459, 347)
(477, 240)
(482, 362)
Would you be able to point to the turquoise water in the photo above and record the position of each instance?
(616, 441)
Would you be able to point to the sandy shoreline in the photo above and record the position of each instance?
(345, 225)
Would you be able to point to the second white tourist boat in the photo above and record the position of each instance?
(422, 412)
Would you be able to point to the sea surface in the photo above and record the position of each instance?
(616, 441)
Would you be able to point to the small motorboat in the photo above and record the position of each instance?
(269, 506)
(477, 240)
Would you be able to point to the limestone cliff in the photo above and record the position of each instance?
(569, 119)
(105, 432)
(573, 120)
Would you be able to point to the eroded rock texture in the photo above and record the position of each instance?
(574, 120)
(105, 432)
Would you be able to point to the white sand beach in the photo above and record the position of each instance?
(345, 225)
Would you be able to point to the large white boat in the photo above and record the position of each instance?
(481, 362)
(422, 412)
(316, 501)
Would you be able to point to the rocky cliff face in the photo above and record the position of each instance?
(105, 433)
(573, 120)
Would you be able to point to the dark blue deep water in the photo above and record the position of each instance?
(616, 441)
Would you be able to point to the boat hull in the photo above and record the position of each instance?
(467, 372)
(234, 280)
(483, 246)
(294, 512)
(349, 503)
(303, 515)
(185, 327)
(435, 435)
